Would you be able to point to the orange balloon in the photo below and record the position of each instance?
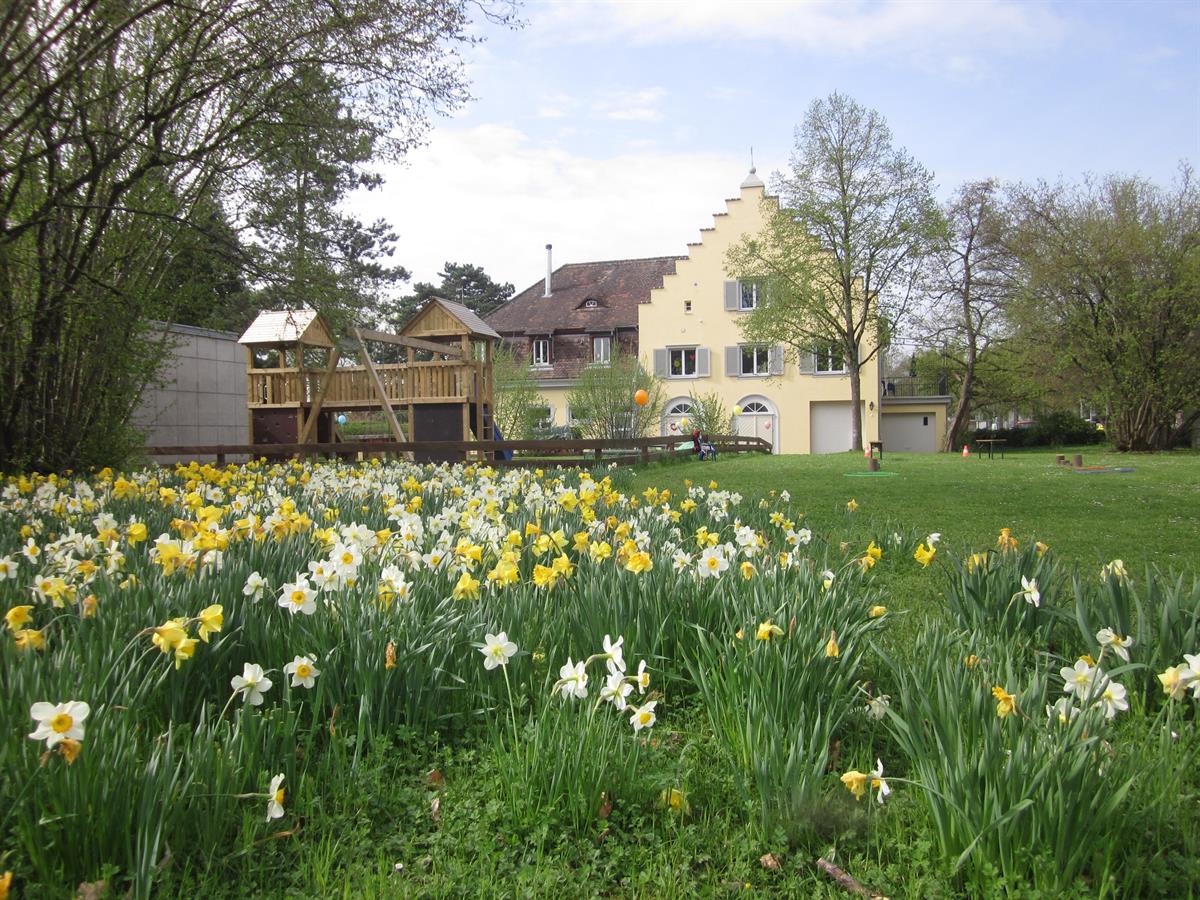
(641, 398)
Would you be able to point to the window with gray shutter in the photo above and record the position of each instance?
(733, 362)
(702, 367)
(808, 362)
(776, 363)
(733, 297)
(660, 362)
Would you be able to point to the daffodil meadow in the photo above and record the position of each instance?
(390, 679)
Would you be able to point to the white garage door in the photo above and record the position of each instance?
(908, 432)
(830, 424)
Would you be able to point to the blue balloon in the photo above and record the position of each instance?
(341, 419)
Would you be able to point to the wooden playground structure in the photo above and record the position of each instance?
(297, 379)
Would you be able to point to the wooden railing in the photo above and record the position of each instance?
(583, 452)
(352, 385)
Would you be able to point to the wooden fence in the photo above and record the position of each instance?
(579, 453)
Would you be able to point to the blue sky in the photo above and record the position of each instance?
(616, 130)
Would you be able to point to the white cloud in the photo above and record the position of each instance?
(489, 196)
(827, 26)
(631, 106)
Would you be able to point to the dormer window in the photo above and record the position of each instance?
(590, 303)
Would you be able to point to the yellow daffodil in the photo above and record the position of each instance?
(389, 655)
(167, 636)
(924, 555)
(1041, 549)
(874, 551)
(675, 800)
(136, 532)
(852, 505)
(831, 648)
(18, 617)
(467, 588)
(856, 783)
(184, 651)
(1006, 703)
(30, 639)
(1005, 541)
(212, 619)
(877, 611)
(747, 569)
(639, 562)
(767, 630)
(971, 661)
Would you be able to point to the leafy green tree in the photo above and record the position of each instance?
(515, 392)
(461, 282)
(308, 250)
(709, 414)
(840, 254)
(602, 399)
(1110, 293)
(119, 122)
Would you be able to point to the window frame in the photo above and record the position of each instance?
(545, 423)
(544, 361)
(824, 357)
(596, 340)
(683, 358)
(760, 360)
(755, 287)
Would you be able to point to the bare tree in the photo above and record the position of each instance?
(967, 277)
(839, 256)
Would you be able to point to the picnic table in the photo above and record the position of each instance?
(991, 446)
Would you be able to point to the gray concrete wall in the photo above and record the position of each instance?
(203, 397)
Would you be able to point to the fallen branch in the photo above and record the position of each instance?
(847, 881)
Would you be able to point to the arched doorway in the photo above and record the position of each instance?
(677, 412)
(759, 418)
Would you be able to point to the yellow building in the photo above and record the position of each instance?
(682, 316)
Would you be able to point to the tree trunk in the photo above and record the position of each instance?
(962, 411)
(853, 367)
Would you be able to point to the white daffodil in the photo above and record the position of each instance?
(1118, 644)
(572, 680)
(877, 782)
(1112, 699)
(58, 722)
(303, 672)
(275, 802)
(616, 689)
(1030, 592)
(298, 597)
(643, 716)
(877, 707)
(497, 650)
(1062, 710)
(614, 656)
(1078, 679)
(251, 684)
(1193, 663)
(712, 563)
(643, 677)
(827, 579)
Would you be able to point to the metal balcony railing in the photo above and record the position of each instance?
(909, 386)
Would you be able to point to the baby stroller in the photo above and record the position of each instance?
(704, 448)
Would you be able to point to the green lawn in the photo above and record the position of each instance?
(1148, 516)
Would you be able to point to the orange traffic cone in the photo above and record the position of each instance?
(966, 452)
(867, 452)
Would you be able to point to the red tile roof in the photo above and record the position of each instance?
(617, 286)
